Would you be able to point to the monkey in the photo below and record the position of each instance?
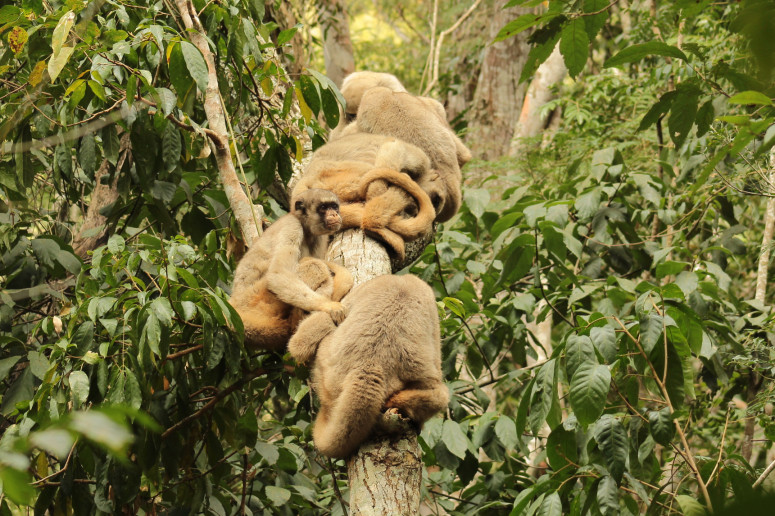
(353, 87)
(385, 355)
(269, 322)
(270, 267)
(420, 121)
(363, 171)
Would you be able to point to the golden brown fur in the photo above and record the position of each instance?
(269, 322)
(353, 87)
(420, 121)
(365, 171)
(269, 271)
(386, 354)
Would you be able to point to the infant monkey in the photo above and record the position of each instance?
(270, 267)
(386, 354)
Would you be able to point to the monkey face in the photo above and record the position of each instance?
(329, 215)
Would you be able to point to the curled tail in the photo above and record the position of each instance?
(341, 428)
(409, 228)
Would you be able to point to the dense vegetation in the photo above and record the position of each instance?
(635, 230)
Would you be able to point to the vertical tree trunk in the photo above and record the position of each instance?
(385, 474)
(531, 124)
(337, 47)
(90, 236)
(498, 98)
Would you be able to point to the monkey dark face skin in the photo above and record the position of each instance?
(318, 211)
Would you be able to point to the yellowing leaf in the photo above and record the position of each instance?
(17, 38)
(299, 150)
(266, 86)
(306, 112)
(36, 75)
(58, 61)
(61, 31)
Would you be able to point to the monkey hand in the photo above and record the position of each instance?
(336, 310)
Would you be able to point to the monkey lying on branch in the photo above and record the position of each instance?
(282, 275)
(386, 186)
(385, 355)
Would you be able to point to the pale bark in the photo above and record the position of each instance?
(769, 232)
(539, 93)
(385, 474)
(216, 117)
(337, 46)
(93, 230)
(498, 98)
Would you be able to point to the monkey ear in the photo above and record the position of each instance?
(299, 206)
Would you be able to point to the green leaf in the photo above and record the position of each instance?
(657, 110)
(578, 351)
(638, 52)
(54, 440)
(604, 339)
(17, 486)
(196, 64)
(670, 268)
(612, 440)
(574, 46)
(544, 40)
(9, 13)
(588, 391)
(661, 426)
(650, 330)
(690, 506)
(101, 429)
(311, 93)
(506, 431)
(87, 154)
(551, 506)
(79, 384)
(543, 395)
(277, 495)
(39, 364)
(477, 200)
(454, 438)
(608, 496)
(330, 107)
(6, 365)
(561, 450)
(595, 22)
(751, 97)
(587, 204)
(171, 147)
(517, 25)
(682, 114)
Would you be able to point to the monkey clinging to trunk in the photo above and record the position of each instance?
(385, 355)
(270, 281)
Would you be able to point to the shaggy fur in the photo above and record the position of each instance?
(386, 354)
(267, 281)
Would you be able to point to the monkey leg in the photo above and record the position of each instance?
(353, 414)
(420, 400)
(265, 329)
(312, 330)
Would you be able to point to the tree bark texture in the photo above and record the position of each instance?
(531, 124)
(90, 236)
(238, 200)
(769, 232)
(385, 474)
(498, 98)
(337, 46)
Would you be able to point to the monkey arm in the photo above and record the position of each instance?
(312, 330)
(283, 280)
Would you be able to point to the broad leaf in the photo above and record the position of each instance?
(588, 391)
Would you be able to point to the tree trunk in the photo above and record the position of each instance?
(531, 124)
(498, 98)
(385, 474)
(239, 202)
(93, 230)
(337, 47)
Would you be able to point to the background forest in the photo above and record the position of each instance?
(605, 291)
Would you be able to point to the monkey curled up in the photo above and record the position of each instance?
(386, 186)
(385, 355)
(282, 275)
